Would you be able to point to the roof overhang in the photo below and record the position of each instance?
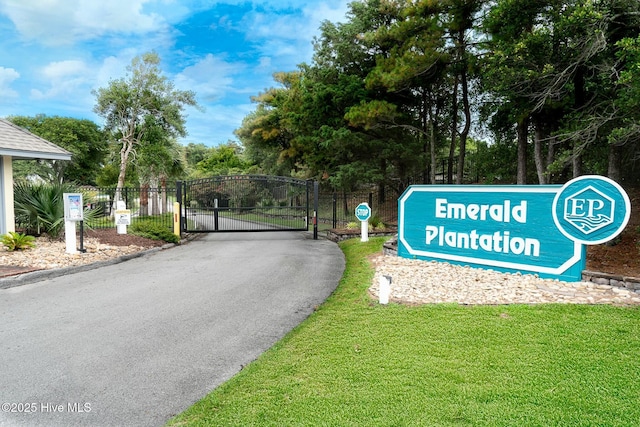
(30, 155)
(19, 143)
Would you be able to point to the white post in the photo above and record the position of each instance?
(385, 289)
(120, 205)
(70, 236)
(364, 231)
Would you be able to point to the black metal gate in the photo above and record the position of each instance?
(246, 203)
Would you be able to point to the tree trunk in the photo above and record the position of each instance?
(454, 131)
(576, 161)
(614, 171)
(523, 131)
(551, 154)
(432, 148)
(144, 199)
(466, 109)
(154, 191)
(163, 196)
(125, 150)
(541, 166)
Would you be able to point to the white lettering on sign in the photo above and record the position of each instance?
(500, 212)
(500, 241)
(363, 211)
(578, 207)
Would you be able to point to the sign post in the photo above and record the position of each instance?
(73, 212)
(363, 213)
(536, 229)
(123, 217)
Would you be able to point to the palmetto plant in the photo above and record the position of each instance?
(39, 208)
(17, 241)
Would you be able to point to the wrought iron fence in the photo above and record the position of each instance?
(337, 209)
(153, 205)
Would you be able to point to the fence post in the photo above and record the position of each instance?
(334, 219)
(179, 200)
(315, 210)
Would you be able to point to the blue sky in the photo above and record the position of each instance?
(53, 53)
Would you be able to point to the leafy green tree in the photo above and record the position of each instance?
(194, 153)
(226, 159)
(83, 138)
(553, 68)
(143, 100)
(396, 86)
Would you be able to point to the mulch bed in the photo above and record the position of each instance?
(110, 236)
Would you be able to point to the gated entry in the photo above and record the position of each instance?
(246, 203)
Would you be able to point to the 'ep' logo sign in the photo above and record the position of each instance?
(591, 209)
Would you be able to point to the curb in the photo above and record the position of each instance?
(40, 275)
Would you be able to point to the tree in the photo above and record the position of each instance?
(194, 153)
(226, 159)
(553, 67)
(144, 99)
(83, 138)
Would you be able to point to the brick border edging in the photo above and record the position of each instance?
(625, 282)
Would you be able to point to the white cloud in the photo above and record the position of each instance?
(285, 36)
(63, 78)
(264, 63)
(211, 78)
(7, 76)
(324, 12)
(215, 125)
(56, 22)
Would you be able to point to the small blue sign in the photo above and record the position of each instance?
(363, 212)
(538, 229)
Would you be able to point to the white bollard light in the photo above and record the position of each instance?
(385, 289)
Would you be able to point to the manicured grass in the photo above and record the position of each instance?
(357, 363)
(288, 218)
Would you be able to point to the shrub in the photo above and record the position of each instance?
(39, 208)
(375, 221)
(153, 231)
(18, 241)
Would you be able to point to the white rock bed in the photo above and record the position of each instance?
(52, 254)
(430, 282)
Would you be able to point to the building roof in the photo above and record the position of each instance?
(22, 144)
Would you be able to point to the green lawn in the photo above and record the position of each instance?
(357, 363)
(283, 217)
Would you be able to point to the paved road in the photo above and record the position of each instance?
(135, 343)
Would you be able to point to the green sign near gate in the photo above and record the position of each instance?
(530, 229)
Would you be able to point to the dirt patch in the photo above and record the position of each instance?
(622, 256)
(110, 236)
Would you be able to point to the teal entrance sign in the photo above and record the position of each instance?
(531, 229)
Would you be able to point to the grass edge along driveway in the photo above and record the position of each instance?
(355, 362)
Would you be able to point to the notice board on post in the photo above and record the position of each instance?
(73, 206)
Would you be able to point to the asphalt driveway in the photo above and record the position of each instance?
(133, 344)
